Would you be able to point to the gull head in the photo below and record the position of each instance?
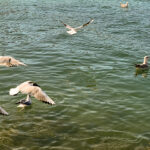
(145, 60)
(146, 57)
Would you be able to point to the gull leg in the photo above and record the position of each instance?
(28, 98)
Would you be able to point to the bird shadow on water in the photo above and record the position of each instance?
(144, 73)
(24, 110)
(61, 36)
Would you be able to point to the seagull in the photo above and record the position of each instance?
(3, 112)
(144, 65)
(124, 5)
(74, 30)
(31, 89)
(9, 61)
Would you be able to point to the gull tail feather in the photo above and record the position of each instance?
(13, 91)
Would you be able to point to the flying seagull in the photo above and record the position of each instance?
(9, 61)
(3, 112)
(74, 30)
(124, 5)
(31, 89)
(144, 65)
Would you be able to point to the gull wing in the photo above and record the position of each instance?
(141, 65)
(84, 24)
(67, 26)
(33, 89)
(15, 62)
(42, 96)
(3, 112)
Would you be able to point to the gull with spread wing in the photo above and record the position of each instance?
(74, 30)
(31, 89)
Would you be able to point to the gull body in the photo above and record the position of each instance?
(124, 5)
(9, 61)
(31, 89)
(144, 65)
(72, 30)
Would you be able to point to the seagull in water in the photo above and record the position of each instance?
(124, 5)
(74, 30)
(144, 65)
(3, 112)
(9, 61)
(31, 89)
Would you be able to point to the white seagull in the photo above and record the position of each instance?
(124, 5)
(31, 89)
(144, 65)
(9, 61)
(74, 30)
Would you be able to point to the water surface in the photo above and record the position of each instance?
(100, 103)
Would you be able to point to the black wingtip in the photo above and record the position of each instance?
(46, 102)
(35, 84)
(63, 23)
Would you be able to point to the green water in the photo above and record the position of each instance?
(100, 103)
